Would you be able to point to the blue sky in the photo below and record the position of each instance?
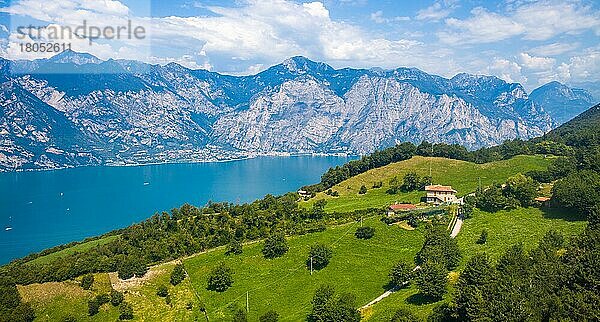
(531, 42)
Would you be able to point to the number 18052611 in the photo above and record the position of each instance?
(44, 47)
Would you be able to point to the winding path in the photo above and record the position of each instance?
(455, 230)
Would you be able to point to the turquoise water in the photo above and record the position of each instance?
(49, 208)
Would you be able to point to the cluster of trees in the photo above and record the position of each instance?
(327, 306)
(518, 191)
(184, 231)
(12, 309)
(116, 299)
(557, 281)
(436, 258)
(410, 182)
(405, 151)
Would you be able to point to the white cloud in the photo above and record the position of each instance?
(434, 12)
(506, 70)
(539, 20)
(378, 17)
(554, 49)
(482, 27)
(536, 63)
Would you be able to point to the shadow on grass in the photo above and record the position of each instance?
(561, 213)
(420, 299)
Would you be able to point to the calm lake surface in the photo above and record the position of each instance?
(49, 208)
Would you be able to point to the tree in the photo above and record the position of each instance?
(410, 182)
(362, 190)
(116, 298)
(93, 307)
(275, 246)
(394, 186)
(404, 315)
(240, 316)
(132, 266)
(125, 311)
(22, 313)
(521, 188)
(483, 237)
(439, 247)
(162, 291)
(319, 256)
(235, 247)
(220, 279)
(365, 232)
(270, 316)
(401, 273)
(425, 181)
(87, 281)
(473, 284)
(431, 280)
(579, 191)
(328, 307)
(177, 275)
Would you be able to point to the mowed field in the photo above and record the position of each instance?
(463, 176)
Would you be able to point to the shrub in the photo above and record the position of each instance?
(365, 232)
(362, 190)
(220, 279)
(275, 246)
(102, 299)
(319, 256)
(116, 298)
(270, 316)
(240, 316)
(177, 275)
(162, 291)
(483, 237)
(404, 315)
(125, 311)
(87, 281)
(235, 247)
(93, 307)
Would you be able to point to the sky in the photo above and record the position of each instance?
(530, 42)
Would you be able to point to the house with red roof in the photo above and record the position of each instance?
(400, 207)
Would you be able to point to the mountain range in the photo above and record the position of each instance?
(74, 109)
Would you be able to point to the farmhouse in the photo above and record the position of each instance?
(400, 207)
(438, 194)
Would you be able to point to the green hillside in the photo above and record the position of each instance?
(462, 175)
(358, 266)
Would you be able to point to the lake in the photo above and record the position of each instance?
(49, 208)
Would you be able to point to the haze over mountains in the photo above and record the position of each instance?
(75, 109)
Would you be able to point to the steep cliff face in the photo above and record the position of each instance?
(131, 112)
(561, 102)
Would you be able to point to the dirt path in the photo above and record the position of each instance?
(455, 230)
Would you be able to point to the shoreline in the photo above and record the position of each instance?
(249, 157)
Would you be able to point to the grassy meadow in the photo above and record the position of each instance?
(358, 266)
(462, 175)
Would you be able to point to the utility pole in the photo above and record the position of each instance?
(247, 302)
(311, 269)
(361, 221)
(430, 161)
(479, 186)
